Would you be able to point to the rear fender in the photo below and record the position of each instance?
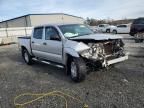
(23, 47)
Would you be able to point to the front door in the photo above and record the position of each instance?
(52, 44)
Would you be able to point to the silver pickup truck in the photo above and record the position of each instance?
(73, 46)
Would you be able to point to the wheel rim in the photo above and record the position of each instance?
(136, 38)
(73, 69)
(26, 57)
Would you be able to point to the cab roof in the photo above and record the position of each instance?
(59, 24)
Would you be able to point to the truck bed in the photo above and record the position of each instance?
(25, 42)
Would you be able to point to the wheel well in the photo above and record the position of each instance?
(22, 47)
(114, 30)
(68, 60)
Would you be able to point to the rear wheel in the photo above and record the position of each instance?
(138, 40)
(77, 69)
(108, 31)
(26, 56)
(137, 36)
(114, 32)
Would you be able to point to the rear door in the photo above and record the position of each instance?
(101, 27)
(127, 30)
(37, 41)
(122, 28)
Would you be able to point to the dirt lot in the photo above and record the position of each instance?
(119, 87)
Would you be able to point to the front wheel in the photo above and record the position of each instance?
(77, 69)
(26, 56)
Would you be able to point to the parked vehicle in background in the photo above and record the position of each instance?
(73, 46)
(137, 30)
(122, 28)
(103, 28)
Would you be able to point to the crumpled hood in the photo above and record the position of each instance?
(77, 46)
(98, 37)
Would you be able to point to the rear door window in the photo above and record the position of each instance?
(38, 33)
(121, 26)
(101, 25)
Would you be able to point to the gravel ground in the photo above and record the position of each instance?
(121, 86)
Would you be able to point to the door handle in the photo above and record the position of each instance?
(44, 43)
(33, 42)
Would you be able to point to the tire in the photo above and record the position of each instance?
(27, 57)
(108, 31)
(114, 32)
(77, 69)
(138, 40)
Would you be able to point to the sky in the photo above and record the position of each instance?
(98, 9)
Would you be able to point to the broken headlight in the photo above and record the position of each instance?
(96, 51)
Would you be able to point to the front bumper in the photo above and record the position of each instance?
(117, 60)
(113, 61)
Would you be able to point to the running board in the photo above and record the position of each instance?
(48, 62)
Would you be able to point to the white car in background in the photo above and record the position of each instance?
(104, 28)
(122, 28)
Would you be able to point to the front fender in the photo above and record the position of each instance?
(71, 52)
(73, 48)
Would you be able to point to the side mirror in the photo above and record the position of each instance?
(55, 37)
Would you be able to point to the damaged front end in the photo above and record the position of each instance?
(105, 52)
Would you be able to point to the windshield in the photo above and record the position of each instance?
(75, 30)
